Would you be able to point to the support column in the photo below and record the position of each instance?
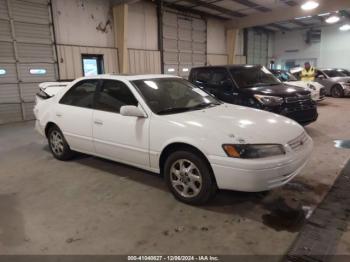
(231, 35)
(120, 18)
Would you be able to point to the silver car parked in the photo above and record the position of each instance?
(336, 81)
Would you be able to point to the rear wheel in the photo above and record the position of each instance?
(189, 177)
(337, 91)
(58, 144)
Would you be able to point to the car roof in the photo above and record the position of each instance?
(126, 77)
(226, 66)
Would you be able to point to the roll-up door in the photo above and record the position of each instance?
(257, 51)
(27, 56)
(184, 43)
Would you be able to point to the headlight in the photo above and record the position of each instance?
(249, 151)
(269, 100)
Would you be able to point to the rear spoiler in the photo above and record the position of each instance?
(49, 89)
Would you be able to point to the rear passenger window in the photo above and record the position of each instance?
(81, 94)
(113, 95)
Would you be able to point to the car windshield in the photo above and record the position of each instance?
(284, 76)
(173, 95)
(249, 76)
(334, 73)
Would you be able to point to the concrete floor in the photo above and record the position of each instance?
(93, 206)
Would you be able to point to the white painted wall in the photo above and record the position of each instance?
(332, 51)
(217, 43)
(82, 22)
(142, 26)
(285, 43)
(335, 48)
(216, 37)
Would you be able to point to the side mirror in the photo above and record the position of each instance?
(132, 111)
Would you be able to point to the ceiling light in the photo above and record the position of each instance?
(345, 27)
(332, 19)
(303, 17)
(309, 5)
(324, 14)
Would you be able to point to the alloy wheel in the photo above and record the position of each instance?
(186, 178)
(56, 142)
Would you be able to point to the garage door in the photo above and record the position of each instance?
(184, 43)
(26, 56)
(257, 53)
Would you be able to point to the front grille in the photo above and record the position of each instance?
(322, 92)
(296, 99)
(298, 103)
(298, 142)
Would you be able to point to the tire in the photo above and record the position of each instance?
(193, 186)
(58, 144)
(337, 91)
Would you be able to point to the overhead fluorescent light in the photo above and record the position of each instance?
(184, 69)
(309, 5)
(303, 17)
(332, 19)
(324, 14)
(171, 70)
(345, 27)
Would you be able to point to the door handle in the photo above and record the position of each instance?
(58, 114)
(98, 122)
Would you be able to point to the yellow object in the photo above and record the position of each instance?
(308, 75)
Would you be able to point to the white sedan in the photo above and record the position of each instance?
(166, 125)
(318, 91)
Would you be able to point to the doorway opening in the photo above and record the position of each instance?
(92, 64)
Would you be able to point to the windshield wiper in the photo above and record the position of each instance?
(204, 105)
(173, 110)
(184, 109)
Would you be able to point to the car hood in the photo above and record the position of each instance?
(303, 84)
(339, 79)
(282, 89)
(236, 124)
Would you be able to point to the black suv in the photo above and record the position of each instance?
(256, 86)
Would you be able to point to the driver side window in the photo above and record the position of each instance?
(220, 79)
(113, 95)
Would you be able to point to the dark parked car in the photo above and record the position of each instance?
(255, 86)
(336, 81)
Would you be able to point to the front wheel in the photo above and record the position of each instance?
(189, 178)
(337, 91)
(58, 144)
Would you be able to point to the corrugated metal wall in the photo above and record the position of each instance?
(184, 43)
(27, 56)
(70, 63)
(144, 61)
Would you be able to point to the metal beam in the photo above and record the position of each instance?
(280, 27)
(250, 4)
(186, 9)
(220, 9)
(298, 23)
(287, 13)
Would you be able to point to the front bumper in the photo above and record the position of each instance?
(260, 174)
(346, 90)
